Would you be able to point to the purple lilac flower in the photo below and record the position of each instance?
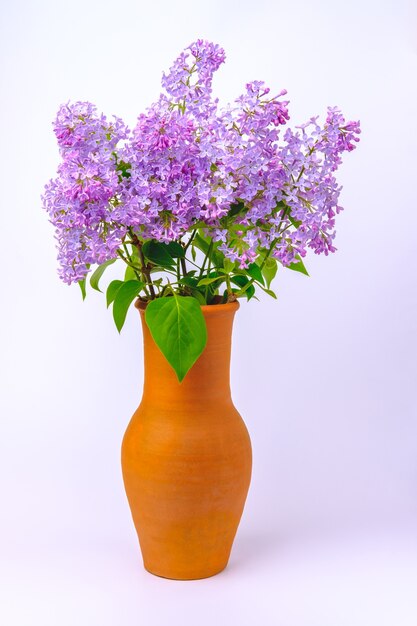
(80, 201)
(189, 162)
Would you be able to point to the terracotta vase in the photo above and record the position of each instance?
(186, 458)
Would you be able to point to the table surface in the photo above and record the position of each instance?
(366, 578)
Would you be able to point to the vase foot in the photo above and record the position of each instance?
(197, 575)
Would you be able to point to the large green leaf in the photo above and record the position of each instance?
(112, 290)
(124, 298)
(298, 266)
(178, 328)
(157, 253)
(98, 273)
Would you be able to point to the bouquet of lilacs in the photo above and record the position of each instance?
(200, 204)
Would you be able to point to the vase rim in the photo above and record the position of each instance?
(206, 308)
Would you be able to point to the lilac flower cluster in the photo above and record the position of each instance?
(189, 164)
(80, 201)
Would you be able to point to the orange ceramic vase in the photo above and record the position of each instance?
(186, 458)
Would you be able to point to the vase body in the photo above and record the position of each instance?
(186, 458)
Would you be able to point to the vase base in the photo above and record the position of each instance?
(198, 575)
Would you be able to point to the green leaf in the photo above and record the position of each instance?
(269, 292)
(190, 281)
(294, 222)
(157, 253)
(236, 208)
(269, 270)
(255, 272)
(198, 296)
(228, 265)
(285, 211)
(209, 280)
(130, 274)
(298, 267)
(241, 281)
(134, 254)
(98, 273)
(178, 328)
(123, 299)
(280, 206)
(112, 290)
(203, 244)
(82, 287)
(123, 168)
(156, 269)
(175, 250)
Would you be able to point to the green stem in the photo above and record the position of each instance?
(122, 256)
(230, 295)
(252, 280)
(208, 267)
(178, 270)
(137, 271)
(210, 248)
(192, 263)
(187, 245)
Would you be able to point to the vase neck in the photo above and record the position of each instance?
(209, 378)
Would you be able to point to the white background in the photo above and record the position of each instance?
(325, 377)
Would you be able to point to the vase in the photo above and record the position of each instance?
(186, 457)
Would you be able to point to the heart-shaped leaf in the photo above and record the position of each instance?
(178, 328)
(157, 253)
